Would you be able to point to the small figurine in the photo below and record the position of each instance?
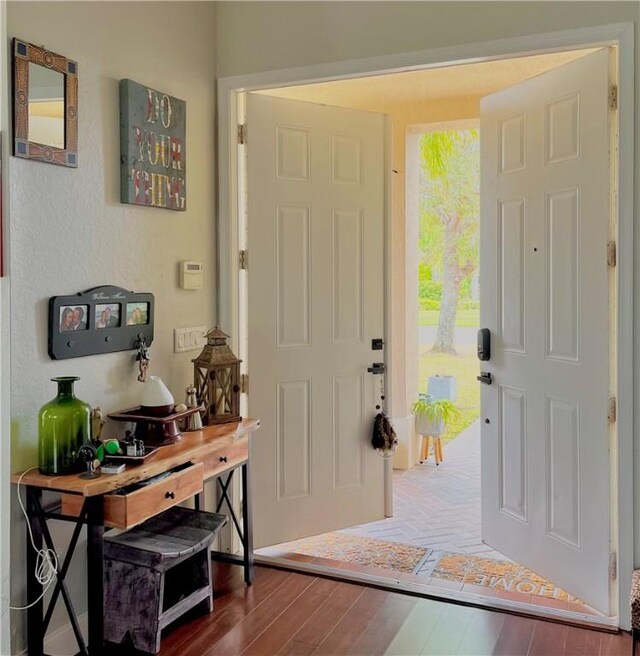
(194, 421)
(191, 400)
(87, 454)
(97, 423)
(142, 358)
(112, 447)
(133, 446)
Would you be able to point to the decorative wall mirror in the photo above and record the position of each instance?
(45, 105)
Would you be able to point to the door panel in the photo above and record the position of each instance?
(545, 190)
(316, 296)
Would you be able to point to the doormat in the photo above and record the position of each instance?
(491, 573)
(369, 552)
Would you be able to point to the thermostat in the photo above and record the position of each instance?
(191, 275)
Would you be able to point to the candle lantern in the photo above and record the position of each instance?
(216, 377)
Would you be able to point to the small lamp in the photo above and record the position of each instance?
(216, 377)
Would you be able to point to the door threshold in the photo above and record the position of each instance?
(601, 623)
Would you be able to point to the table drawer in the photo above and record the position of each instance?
(127, 510)
(226, 458)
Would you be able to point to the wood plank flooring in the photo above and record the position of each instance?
(287, 613)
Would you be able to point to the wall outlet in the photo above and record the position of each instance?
(188, 339)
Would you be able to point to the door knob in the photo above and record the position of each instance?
(376, 368)
(485, 378)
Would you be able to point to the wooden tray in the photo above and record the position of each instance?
(160, 431)
(132, 460)
(136, 414)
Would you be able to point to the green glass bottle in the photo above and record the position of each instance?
(64, 425)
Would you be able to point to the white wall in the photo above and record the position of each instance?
(5, 381)
(69, 231)
(262, 36)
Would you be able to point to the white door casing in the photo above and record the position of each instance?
(545, 187)
(315, 206)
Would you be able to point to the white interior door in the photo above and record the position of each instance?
(545, 187)
(315, 179)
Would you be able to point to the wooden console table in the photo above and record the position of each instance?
(105, 502)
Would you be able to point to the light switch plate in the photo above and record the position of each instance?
(188, 339)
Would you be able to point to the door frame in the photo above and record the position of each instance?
(620, 35)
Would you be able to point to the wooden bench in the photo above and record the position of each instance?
(155, 573)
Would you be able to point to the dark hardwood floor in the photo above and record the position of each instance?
(289, 613)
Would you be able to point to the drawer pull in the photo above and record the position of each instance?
(170, 495)
(223, 458)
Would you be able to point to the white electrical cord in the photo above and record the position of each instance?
(46, 562)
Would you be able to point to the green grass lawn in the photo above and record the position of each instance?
(464, 318)
(464, 367)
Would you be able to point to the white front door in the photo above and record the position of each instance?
(315, 179)
(545, 220)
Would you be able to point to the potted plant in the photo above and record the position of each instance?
(433, 417)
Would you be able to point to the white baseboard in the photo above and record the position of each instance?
(61, 641)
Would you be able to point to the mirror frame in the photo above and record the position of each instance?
(23, 54)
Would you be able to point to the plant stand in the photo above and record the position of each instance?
(438, 452)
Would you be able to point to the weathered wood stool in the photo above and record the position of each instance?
(634, 600)
(156, 572)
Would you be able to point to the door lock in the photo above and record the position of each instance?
(485, 378)
(484, 344)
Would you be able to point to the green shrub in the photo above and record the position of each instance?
(428, 304)
(444, 411)
(430, 289)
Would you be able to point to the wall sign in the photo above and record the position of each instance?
(101, 320)
(153, 165)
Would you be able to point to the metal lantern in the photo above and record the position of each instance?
(216, 376)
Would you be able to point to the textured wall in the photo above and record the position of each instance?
(5, 382)
(263, 36)
(68, 229)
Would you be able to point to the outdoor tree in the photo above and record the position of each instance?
(449, 209)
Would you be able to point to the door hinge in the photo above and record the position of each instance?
(243, 259)
(612, 254)
(613, 566)
(613, 96)
(244, 383)
(613, 410)
(242, 134)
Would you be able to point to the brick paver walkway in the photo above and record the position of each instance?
(438, 507)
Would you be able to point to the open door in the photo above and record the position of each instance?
(545, 198)
(315, 204)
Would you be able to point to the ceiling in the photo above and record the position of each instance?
(465, 80)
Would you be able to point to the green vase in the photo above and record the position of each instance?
(63, 427)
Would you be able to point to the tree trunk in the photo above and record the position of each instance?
(450, 291)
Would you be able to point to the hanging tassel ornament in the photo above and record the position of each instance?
(384, 439)
(142, 358)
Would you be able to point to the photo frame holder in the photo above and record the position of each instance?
(64, 344)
